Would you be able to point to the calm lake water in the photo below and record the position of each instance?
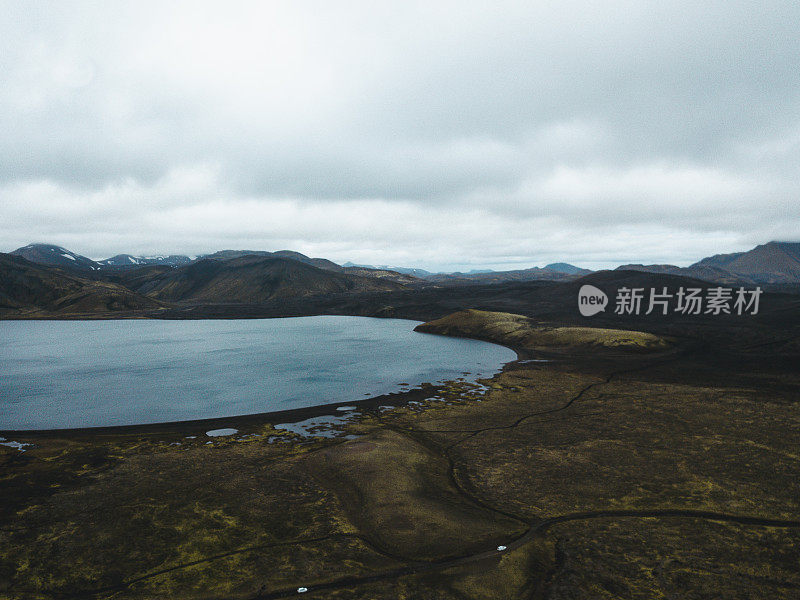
(62, 374)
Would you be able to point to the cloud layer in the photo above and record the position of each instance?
(442, 135)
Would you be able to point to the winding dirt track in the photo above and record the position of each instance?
(537, 529)
(534, 529)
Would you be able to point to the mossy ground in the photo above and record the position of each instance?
(134, 515)
(528, 334)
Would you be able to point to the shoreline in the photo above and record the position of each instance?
(243, 422)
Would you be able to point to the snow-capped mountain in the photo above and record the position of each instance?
(126, 261)
(56, 256)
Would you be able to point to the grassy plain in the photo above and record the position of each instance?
(641, 469)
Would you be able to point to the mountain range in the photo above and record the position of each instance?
(770, 263)
(43, 279)
(27, 287)
(127, 261)
(56, 256)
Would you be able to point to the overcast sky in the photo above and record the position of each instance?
(433, 134)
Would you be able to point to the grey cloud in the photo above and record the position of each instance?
(541, 121)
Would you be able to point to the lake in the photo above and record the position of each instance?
(65, 374)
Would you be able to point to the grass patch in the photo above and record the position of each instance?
(524, 333)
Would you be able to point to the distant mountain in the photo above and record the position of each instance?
(56, 256)
(27, 288)
(532, 274)
(771, 263)
(567, 269)
(706, 273)
(253, 279)
(421, 273)
(379, 273)
(774, 262)
(718, 260)
(127, 261)
(320, 263)
(515, 275)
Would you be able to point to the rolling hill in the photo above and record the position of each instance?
(36, 290)
(252, 279)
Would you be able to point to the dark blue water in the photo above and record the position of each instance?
(62, 374)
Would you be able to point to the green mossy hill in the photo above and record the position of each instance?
(524, 333)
